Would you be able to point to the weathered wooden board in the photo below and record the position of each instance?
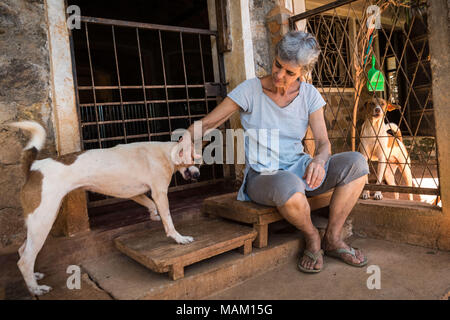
(249, 212)
(226, 206)
(159, 253)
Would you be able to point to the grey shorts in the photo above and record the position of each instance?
(276, 189)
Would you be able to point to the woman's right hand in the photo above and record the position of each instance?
(186, 150)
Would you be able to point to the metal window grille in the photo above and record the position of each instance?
(400, 46)
(140, 82)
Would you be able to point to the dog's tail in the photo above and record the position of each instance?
(34, 145)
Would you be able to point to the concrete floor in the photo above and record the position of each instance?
(407, 272)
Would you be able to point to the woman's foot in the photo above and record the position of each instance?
(313, 246)
(331, 244)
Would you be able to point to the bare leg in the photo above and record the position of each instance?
(342, 202)
(366, 193)
(297, 212)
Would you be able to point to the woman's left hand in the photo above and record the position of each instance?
(314, 173)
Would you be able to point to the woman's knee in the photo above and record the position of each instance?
(275, 190)
(297, 201)
(354, 162)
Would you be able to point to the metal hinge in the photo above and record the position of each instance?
(216, 89)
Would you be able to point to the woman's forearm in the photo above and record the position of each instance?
(323, 151)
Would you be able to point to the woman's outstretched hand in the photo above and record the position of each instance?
(186, 149)
(314, 173)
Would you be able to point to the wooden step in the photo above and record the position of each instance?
(161, 254)
(227, 206)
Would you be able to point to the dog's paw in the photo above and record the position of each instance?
(39, 276)
(378, 196)
(366, 195)
(184, 239)
(40, 290)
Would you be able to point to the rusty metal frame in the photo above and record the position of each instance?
(99, 121)
(410, 91)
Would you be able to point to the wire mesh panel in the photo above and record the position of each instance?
(140, 82)
(374, 73)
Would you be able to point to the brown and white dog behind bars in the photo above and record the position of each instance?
(124, 171)
(378, 145)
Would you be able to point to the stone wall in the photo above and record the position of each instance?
(262, 48)
(24, 94)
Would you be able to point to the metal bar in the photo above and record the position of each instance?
(401, 189)
(131, 137)
(185, 78)
(142, 102)
(141, 25)
(143, 82)
(85, 124)
(318, 10)
(203, 70)
(206, 100)
(100, 203)
(165, 80)
(139, 87)
(118, 81)
(93, 84)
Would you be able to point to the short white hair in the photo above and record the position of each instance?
(300, 48)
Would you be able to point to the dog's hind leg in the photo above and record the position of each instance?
(22, 247)
(162, 203)
(39, 224)
(149, 204)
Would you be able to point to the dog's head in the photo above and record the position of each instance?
(184, 162)
(376, 108)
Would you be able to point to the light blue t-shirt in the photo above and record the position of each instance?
(274, 134)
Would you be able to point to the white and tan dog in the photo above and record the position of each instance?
(378, 145)
(124, 171)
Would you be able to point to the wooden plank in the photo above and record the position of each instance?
(227, 206)
(162, 254)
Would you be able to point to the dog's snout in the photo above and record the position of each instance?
(196, 175)
(187, 173)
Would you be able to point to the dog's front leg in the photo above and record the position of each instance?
(380, 173)
(162, 202)
(366, 193)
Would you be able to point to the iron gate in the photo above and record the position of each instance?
(139, 82)
(399, 44)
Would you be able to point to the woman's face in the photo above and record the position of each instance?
(284, 73)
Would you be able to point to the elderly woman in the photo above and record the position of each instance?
(286, 176)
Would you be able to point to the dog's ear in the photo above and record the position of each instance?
(392, 107)
(174, 154)
(365, 104)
